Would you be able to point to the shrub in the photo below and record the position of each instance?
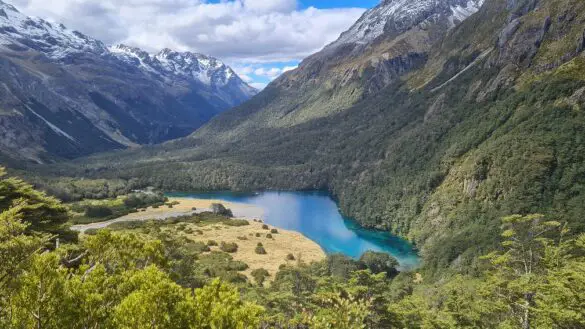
(237, 265)
(212, 243)
(258, 235)
(265, 227)
(268, 236)
(91, 231)
(234, 277)
(260, 276)
(220, 209)
(260, 250)
(274, 231)
(290, 257)
(243, 237)
(236, 222)
(260, 244)
(98, 211)
(229, 247)
(379, 262)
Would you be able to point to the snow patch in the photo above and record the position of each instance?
(52, 126)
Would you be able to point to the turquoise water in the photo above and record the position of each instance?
(317, 216)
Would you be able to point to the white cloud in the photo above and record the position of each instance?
(246, 78)
(259, 85)
(268, 72)
(264, 6)
(242, 31)
(288, 68)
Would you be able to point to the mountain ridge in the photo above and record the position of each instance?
(69, 95)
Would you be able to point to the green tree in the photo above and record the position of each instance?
(218, 305)
(339, 312)
(40, 300)
(260, 276)
(42, 213)
(153, 301)
(520, 269)
(379, 262)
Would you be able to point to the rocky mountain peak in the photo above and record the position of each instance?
(401, 15)
(189, 66)
(55, 40)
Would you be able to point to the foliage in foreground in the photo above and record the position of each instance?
(146, 278)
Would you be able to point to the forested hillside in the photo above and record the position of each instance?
(489, 125)
(153, 275)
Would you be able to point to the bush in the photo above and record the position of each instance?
(379, 262)
(243, 237)
(237, 266)
(91, 231)
(129, 225)
(212, 243)
(268, 236)
(260, 244)
(260, 250)
(236, 222)
(290, 257)
(220, 209)
(98, 211)
(234, 277)
(265, 227)
(229, 247)
(274, 231)
(258, 235)
(260, 276)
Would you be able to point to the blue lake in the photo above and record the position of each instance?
(317, 216)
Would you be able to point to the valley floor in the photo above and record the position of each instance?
(278, 245)
(184, 207)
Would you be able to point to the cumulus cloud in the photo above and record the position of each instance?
(243, 31)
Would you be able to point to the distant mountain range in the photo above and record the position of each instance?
(64, 94)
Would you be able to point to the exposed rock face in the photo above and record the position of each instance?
(386, 43)
(391, 39)
(65, 94)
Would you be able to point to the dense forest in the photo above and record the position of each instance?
(142, 275)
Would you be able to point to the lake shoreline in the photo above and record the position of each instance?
(317, 215)
(185, 207)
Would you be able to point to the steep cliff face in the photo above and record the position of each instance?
(386, 43)
(65, 94)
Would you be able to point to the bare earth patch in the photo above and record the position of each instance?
(277, 248)
(185, 207)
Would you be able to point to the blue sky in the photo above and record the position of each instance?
(260, 39)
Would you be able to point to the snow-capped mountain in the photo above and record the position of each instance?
(385, 43)
(66, 94)
(170, 65)
(56, 41)
(401, 15)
